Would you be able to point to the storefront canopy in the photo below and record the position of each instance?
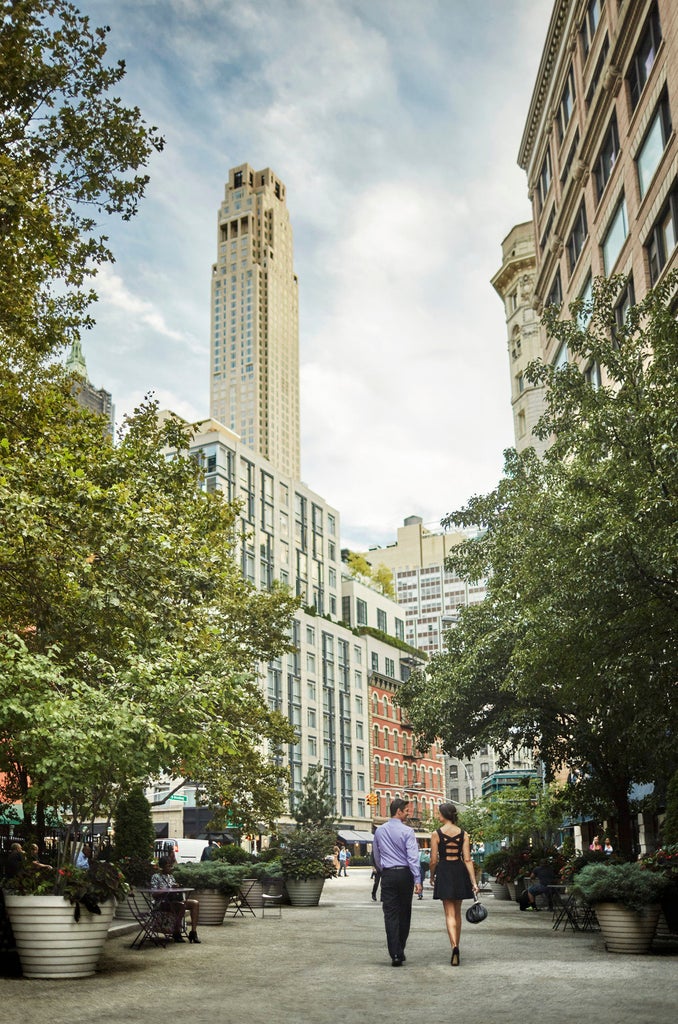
(350, 836)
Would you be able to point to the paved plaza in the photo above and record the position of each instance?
(329, 964)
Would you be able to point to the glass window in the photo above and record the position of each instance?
(650, 153)
(591, 22)
(662, 239)
(584, 318)
(615, 236)
(361, 612)
(381, 620)
(544, 179)
(644, 57)
(566, 105)
(555, 295)
(597, 72)
(607, 157)
(575, 242)
(561, 357)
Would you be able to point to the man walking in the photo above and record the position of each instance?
(396, 857)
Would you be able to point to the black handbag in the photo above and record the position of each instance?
(476, 912)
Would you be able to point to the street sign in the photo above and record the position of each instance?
(177, 796)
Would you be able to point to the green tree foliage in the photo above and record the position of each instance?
(134, 832)
(670, 825)
(358, 566)
(362, 569)
(129, 637)
(573, 653)
(530, 814)
(315, 806)
(383, 579)
(69, 152)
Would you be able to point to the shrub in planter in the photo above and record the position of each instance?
(208, 874)
(628, 884)
(230, 853)
(305, 852)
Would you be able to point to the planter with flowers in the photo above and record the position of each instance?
(60, 917)
(626, 898)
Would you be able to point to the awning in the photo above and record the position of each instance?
(355, 837)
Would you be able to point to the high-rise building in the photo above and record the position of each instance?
(96, 400)
(254, 359)
(430, 598)
(601, 154)
(514, 284)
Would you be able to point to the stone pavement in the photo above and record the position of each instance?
(329, 964)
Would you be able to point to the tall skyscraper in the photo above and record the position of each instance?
(95, 399)
(254, 361)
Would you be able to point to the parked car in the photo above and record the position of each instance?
(186, 851)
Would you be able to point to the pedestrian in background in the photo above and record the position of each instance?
(396, 856)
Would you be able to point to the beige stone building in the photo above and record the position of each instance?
(600, 151)
(514, 284)
(254, 358)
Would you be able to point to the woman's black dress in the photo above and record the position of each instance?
(452, 880)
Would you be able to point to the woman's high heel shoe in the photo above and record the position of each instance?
(454, 960)
(193, 936)
(177, 937)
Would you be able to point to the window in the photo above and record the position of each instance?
(310, 663)
(569, 160)
(389, 667)
(544, 179)
(644, 57)
(615, 236)
(311, 692)
(586, 296)
(311, 718)
(310, 635)
(381, 620)
(548, 228)
(400, 629)
(566, 105)
(561, 357)
(607, 157)
(555, 295)
(454, 771)
(652, 148)
(626, 300)
(375, 661)
(361, 612)
(520, 379)
(597, 73)
(359, 731)
(591, 22)
(592, 375)
(312, 746)
(662, 239)
(578, 235)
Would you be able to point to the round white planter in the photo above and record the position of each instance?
(627, 931)
(50, 943)
(123, 912)
(499, 890)
(213, 906)
(304, 892)
(253, 891)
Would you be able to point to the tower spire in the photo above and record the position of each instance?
(76, 360)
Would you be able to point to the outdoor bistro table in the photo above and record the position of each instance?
(567, 910)
(155, 914)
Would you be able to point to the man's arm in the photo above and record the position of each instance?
(376, 856)
(412, 849)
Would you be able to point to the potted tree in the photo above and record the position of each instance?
(134, 838)
(626, 900)
(306, 862)
(495, 864)
(306, 856)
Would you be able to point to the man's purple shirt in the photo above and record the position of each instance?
(395, 845)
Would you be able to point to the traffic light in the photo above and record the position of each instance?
(372, 799)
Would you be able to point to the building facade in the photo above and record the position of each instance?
(97, 400)
(514, 284)
(254, 350)
(600, 152)
(430, 598)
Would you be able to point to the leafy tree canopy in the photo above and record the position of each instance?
(573, 653)
(70, 152)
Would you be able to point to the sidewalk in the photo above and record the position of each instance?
(329, 964)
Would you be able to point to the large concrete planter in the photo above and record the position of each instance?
(213, 905)
(50, 943)
(627, 931)
(123, 911)
(304, 892)
(499, 890)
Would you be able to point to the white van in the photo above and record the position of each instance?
(186, 851)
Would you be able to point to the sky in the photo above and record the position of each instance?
(395, 126)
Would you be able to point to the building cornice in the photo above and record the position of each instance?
(549, 57)
(512, 268)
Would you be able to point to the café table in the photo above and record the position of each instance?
(155, 914)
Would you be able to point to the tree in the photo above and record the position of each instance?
(134, 832)
(130, 639)
(383, 578)
(573, 653)
(315, 806)
(69, 152)
(361, 568)
(358, 566)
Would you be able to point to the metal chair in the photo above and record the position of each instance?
(272, 897)
(240, 903)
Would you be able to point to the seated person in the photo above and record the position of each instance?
(544, 877)
(164, 879)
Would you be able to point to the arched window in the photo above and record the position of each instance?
(375, 704)
(375, 733)
(385, 707)
(387, 770)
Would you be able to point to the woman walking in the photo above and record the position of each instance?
(452, 872)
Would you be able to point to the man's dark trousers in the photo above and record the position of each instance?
(397, 887)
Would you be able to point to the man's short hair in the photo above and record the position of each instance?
(398, 805)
